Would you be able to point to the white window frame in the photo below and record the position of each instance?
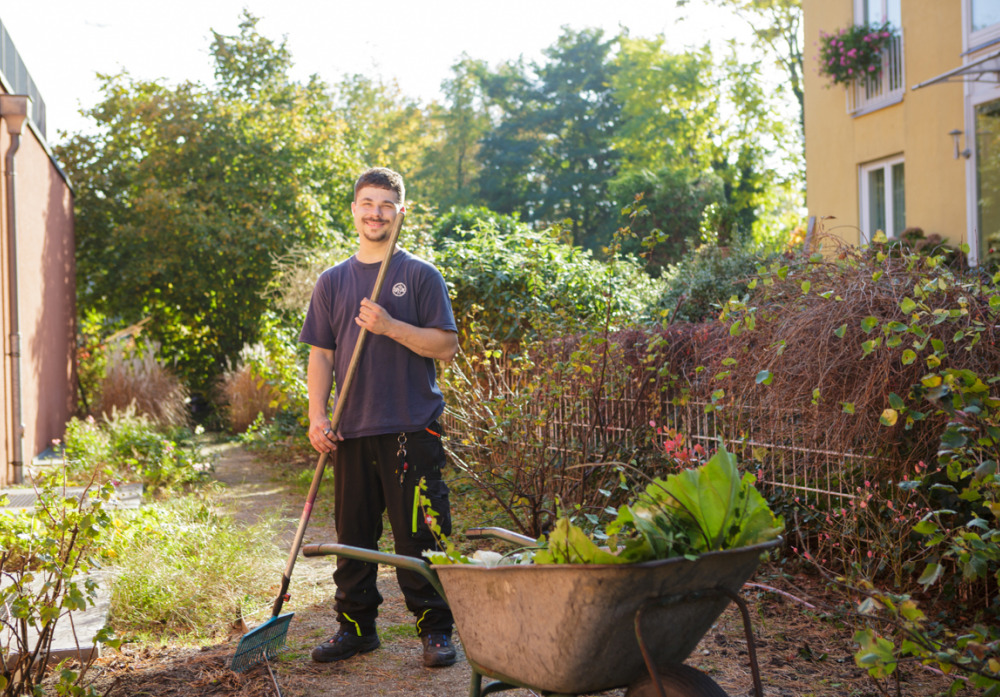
(859, 10)
(864, 196)
(976, 95)
(974, 40)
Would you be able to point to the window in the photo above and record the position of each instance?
(878, 12)
(982, 22)
(984, 14)
(883, 198)
(888, 87)
(988, 179)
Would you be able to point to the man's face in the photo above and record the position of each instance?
(374, 210)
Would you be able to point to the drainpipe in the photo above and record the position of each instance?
(14, 110)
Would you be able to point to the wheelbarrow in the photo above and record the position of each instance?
(573, 629)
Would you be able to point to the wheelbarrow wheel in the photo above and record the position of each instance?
(678, 681)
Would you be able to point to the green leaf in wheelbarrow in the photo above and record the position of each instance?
(716, 506)
(568, 544)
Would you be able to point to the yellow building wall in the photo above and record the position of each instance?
(837, 144)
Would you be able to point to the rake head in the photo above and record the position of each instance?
(260, 643)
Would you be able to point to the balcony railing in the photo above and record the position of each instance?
(871, 93)
(18, 80)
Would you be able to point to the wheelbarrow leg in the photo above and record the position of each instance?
(708, 689)
(476, 688)
(751, 644)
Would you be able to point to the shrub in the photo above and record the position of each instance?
(534, 429)
(889, 354)
(134, 377)
(45, 556)
(671, 205)
(266, 381)
(458, 221)
(246, 396)
(700, 284)
(129, 447)
(529, 284)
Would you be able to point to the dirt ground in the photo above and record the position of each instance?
(798, 654)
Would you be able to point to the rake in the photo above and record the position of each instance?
(269, 638)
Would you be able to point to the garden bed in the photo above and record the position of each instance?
(799, 653)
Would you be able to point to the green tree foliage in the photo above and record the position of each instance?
(777, 29)
(671, 208)
(185, 194)
(450, 168)
(551, 152)
(696, 135)
(384, 127)
(668, 116)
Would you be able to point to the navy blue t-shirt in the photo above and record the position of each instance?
(394, 388)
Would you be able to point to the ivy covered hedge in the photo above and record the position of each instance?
(885, 353)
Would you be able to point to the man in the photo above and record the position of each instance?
(389, 438)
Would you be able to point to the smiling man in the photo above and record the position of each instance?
(389, 438)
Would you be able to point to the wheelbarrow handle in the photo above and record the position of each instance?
(500, 534)
(375, 557)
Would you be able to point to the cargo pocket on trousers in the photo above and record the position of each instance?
(437, 494)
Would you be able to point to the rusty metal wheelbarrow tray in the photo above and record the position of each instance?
(572, 628)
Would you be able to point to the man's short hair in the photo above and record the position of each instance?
(382, 178)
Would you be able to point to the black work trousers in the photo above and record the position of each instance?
(369, 479)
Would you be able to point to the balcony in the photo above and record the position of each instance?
(872, 93)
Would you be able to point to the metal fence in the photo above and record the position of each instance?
(810, 468)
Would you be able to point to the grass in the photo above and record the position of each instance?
(182, 569)
(396, 632)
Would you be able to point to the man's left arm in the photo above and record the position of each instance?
(429, 342)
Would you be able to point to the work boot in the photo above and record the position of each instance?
(344, 644)
(438, 650)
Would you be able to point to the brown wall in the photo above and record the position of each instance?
(46, 299)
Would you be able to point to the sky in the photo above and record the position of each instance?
(66, 43)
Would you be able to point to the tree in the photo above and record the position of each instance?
(450, 170)
(668, 110)
(509, 150)
(777, 28)
(550, 154)
(580, 121)
(184, 196)
(696, 139)
(385, 128)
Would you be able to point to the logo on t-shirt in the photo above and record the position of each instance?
(399, 290)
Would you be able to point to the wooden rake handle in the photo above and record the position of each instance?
(338, 412)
